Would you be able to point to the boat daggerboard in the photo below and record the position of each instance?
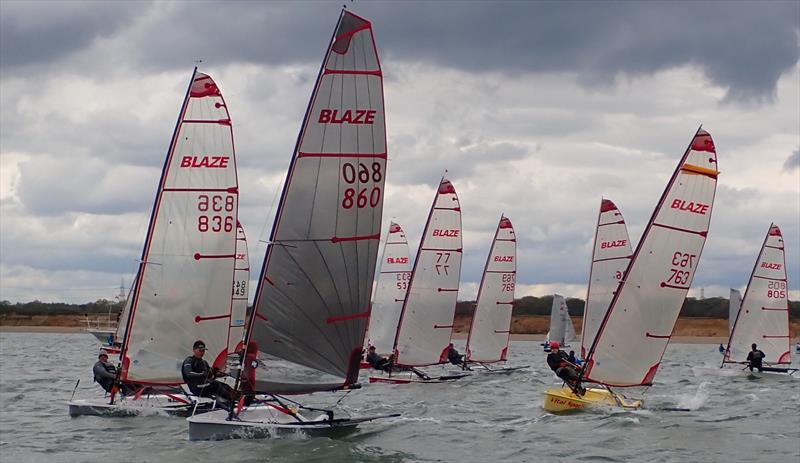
(558, 319)
(764, 315)
(610, 257)
(313, 295)
(637, 327)
(734, 303)
(240, 292)
(491, 323)
(390, 292)
(426, 323)
(182, 290)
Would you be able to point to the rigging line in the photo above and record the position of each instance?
(335, 326)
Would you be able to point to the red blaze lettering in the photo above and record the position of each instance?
(348, 116)
(447, 233)
(771, 266)
(696, 208)
(612, 244)
(504, 258)
(397, 260)
(212, 162)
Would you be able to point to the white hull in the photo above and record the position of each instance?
(101, 335)
(151, 405)
(264, 421)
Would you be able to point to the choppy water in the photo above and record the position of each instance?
(478, 419)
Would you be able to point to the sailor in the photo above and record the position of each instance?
(453, 356)
(376, 361)
(754, 358)
(201, 378)
(572, 359)
(721, 349)
(558, 360)
(104, 372)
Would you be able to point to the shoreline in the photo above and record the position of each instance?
(456, 336)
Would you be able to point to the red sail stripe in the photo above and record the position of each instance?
(330, 320)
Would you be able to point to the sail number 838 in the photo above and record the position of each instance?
(357, 195)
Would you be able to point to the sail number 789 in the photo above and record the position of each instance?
(360, 195)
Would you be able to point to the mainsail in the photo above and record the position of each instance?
(635, 332)
(734, 303)
(764, 315)
(240, 292)
(426, 322)
(390, 292)
(491, 323)
(561, 328)
(182, 290)
(610, 257)
(313, 295)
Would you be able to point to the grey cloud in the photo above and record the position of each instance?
(743, 47)
(792, 162)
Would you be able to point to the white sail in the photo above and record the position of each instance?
(426, 323)
(182, 290)
(635, 332)
(734, 303)
(491, 323)
(390, 292)
(241, 286)
(569, 331)
(312, 301)
(763, 318)
(610, 257)
(559, 321)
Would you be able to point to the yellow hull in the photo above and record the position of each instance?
(562, 399)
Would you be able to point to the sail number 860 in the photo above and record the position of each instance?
(360, 197)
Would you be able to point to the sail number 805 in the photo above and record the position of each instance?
(361, 197)
(776, 289)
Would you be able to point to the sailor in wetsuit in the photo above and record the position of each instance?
(104, 372)
(754, 358)
(376, 361)
(200, 377)
(453, 356)
(558, 361)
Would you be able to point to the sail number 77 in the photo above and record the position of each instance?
(359, 176)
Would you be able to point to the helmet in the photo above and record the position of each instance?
(554, 345)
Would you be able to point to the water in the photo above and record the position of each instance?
(479, 419)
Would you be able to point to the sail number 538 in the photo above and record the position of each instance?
(358, 195)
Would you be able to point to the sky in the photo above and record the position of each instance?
(535, 109)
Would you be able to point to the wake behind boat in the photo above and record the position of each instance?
(636, 328)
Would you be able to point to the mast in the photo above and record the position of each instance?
(631, 341)
(490, 328)
(426, 321)
(313, 294)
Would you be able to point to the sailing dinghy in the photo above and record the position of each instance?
(182, 288)
(610, 257)
(390, 292)
(562, 330)
(638, 324)
(312, 301)
(490, 330)
(763, 317)
(426, 320)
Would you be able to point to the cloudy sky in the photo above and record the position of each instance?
(537, 109)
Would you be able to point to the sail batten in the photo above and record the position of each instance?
(313, 295)
(192, 238)
(636, 329)
(490, 329)
(426, 320)
(763, 314)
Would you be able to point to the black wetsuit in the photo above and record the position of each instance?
(104, 375)
(197, 375)
(454, 357)
(557, 361)
(377, 362)
(755, 358)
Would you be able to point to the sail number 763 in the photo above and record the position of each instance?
(683, 263)
(361, 195)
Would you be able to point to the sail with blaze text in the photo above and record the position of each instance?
(313, 295)
(426, 322)
(634, 334)
(491, 323)
(734, 303)
(561, 328)
(182, 290)
(764, 315)
(390, 292)
(239, 293)
(610, 257)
